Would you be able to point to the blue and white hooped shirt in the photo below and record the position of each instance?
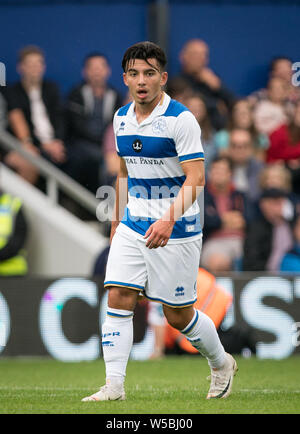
(153, 151)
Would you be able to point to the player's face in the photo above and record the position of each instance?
(145, 81)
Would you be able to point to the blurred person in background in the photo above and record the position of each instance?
(269, 236)
(110, 155)
(276, 175)
(285, 147)
(285, 140)
(246, 168)
(3, 114)
(12, 158)
(194, 59)
(291, 260)
(275, 109)
(196, 105)
(13, 233)
(90, 109)
(280, 67)
(178, 88)
(226, 213)
(35, 113)
(241, 117)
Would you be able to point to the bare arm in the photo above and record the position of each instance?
(121, 197)
(19, 125)
(159, 232)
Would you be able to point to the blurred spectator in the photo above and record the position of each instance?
(268, 237)
(158, 323)
(275, 175)
(36, 115)
(246, 168)
(110, 155)
(241, 117)
(99, 266)
(90, 109)
(3, 117)
(226, 213)
(196, 105)
(178, 88)
(12, 158)
(285, 146)
(111, 159)
(291, 260)
(280, 67)
(275, 109)
(194, 59)
(13, 231)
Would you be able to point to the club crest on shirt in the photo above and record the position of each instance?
(159, 125)
(137, 145)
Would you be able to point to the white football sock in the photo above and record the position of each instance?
(117, 340)
(202, 334)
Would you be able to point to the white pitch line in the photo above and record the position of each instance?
(150, 389)
(267, 391)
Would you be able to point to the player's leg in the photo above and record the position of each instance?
(125, 278)
(172, 280)
(117, 333)
(201, 332)
(117, 340)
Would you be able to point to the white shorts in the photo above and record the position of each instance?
(167, 274)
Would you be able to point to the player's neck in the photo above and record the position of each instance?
(142, 111)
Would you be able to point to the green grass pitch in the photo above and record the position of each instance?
(174, 385)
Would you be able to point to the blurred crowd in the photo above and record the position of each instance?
(251, 145)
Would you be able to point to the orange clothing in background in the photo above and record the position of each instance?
(212, 299)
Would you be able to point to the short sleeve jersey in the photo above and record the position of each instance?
(153, 151)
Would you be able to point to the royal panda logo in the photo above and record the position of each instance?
(137, 145)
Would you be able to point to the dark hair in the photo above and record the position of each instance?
(220, 158)
(92, 55)
(144, 51)
(29, 49)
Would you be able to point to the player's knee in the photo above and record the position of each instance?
(176, 323)
(122, 298)
(178, 318)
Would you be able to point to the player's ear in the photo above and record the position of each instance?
(164, 78)
(125, 79)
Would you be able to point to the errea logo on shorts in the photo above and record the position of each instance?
(179, 291)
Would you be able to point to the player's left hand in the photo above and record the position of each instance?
(158, 234)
